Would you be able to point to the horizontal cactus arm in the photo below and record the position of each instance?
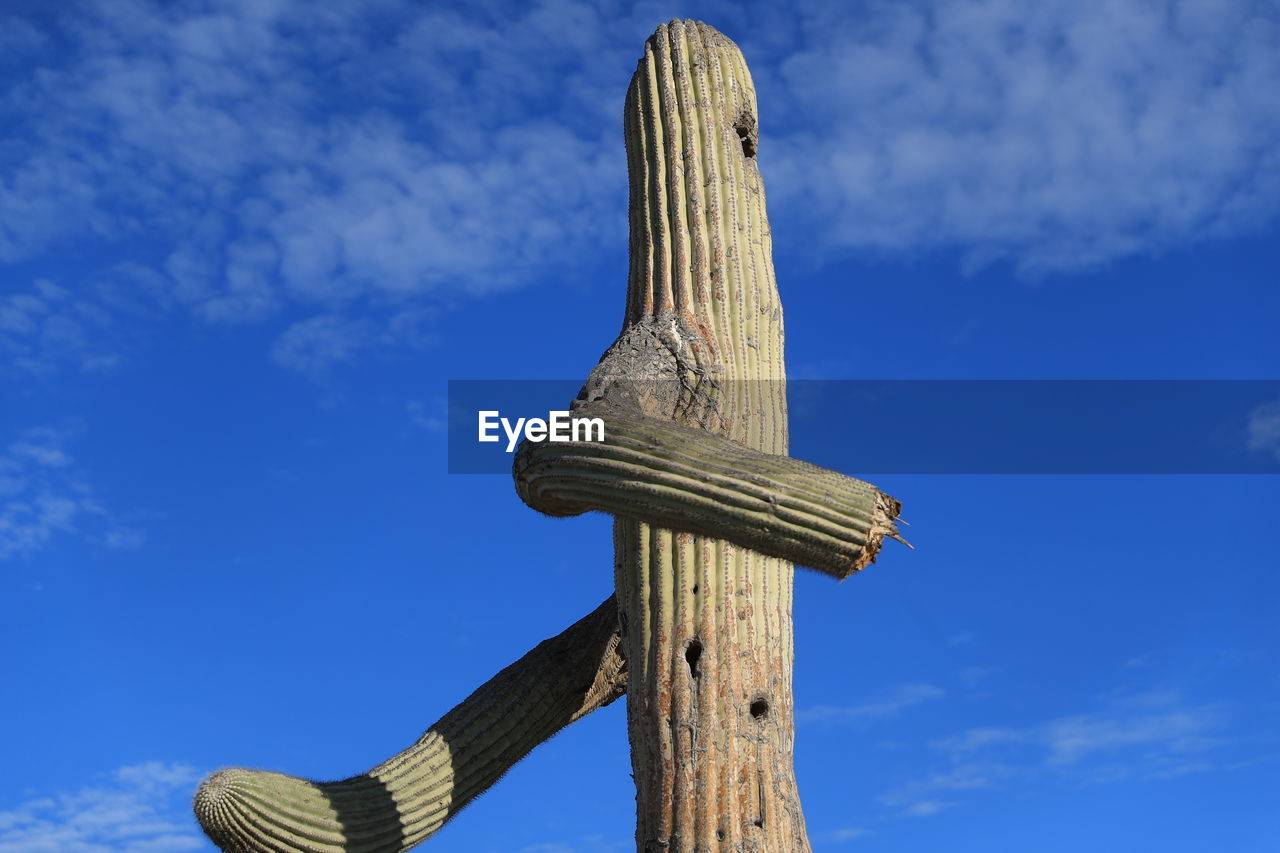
(407, 798)
(685, 479)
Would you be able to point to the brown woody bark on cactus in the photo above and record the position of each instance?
(709, 515)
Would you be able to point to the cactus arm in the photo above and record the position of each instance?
(687, 479)
(410, 796)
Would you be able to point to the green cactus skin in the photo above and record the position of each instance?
(407, 798)
(687, 479)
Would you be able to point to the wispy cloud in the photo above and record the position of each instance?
(139, 809)
(925, 808)
(431, 415)
(1059, 136)
(923, 797)
(318, 344)
(262, 162)
(43, 494)
(887, 704)
(587, 844)
(44, 326)
(1264, 429)
(1139, 737)
(1160, 725)
(314, 345)
(972, 676)
(842, 835)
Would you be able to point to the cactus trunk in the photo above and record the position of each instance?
(706, 624)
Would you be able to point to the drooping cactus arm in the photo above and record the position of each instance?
(687, 479)
(410, 796)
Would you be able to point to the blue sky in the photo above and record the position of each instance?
(245, 245)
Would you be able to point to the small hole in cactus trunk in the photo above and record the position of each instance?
(748, 134)
(691, 655)
(760, 708)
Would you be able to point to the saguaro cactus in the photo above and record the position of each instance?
(706, 623)
(709, 511)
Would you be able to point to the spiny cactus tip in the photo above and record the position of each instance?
(216, 792)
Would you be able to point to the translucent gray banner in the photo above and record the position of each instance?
(955, 427)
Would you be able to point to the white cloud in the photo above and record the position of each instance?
(843, 835)
(1174, 731)
(43, 494)
(264, 156)
(972, 676)
(1264, 429)
(919, 798)
(587, 844)
(888, 704)
(314, 345)
(925, 808)
(263, 162)
(980, 738)
(431, 415)
(44, 326)
(143, 808)
(1058, 135)
(1138, 737)
(1159, 724)
(318, 344)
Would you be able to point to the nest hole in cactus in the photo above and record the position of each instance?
(691, 655)
(745, 126)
